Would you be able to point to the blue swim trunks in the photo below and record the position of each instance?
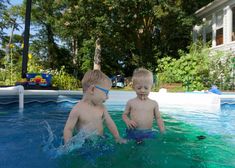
(139, 135)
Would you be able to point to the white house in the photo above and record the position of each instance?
(218, 25)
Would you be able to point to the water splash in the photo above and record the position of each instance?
(87, 143)
(75, 143)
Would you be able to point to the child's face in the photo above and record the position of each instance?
(142, 88)
(101, 93)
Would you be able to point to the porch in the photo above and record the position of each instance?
(218, 25)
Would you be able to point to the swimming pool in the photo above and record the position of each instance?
(32, 137)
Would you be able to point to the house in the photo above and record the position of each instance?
(217, 25)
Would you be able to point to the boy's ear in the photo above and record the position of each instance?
(91, 89)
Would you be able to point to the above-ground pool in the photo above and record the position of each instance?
(32, 138)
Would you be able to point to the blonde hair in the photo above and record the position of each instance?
(142, 74)
(94, 77)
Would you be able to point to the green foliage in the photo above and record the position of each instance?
(86, 54)
(35, 65)
(63, 80)
(60, 78)
(196, 70)
(221, 70)
(11, 73)
(4, 17)
(11, 68)
(133, 33)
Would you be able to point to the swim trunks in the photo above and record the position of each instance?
(139, 135)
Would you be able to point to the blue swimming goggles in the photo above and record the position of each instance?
(106, 91)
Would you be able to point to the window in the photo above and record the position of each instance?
(219, 36)
(219, 28)
(233, 29)
(219, 20)
(208, 26)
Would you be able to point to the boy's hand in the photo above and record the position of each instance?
(131, 124)
(121, 140)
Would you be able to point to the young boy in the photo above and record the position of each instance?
(89, 113)
(140, 111)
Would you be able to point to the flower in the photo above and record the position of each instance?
(12, 46)
(30, 55)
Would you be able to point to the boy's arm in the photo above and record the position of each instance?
(129, 123)
(159, 120)
(112, 127)
(70, 124)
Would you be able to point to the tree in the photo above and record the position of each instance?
(131, 33)
(3, 16)
(8, 20)
(176, 21)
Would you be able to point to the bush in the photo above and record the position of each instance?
(64, 80)
(196, 70)
(11, 73)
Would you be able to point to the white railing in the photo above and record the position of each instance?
(225, 47)
(14, 90)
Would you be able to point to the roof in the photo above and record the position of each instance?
(213, 6)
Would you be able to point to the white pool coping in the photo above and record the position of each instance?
(186, 98)
(227, 96)
(203, 100)
(12, 91)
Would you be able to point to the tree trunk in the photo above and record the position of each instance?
(97, 57)
(52, 46)
(75, 51)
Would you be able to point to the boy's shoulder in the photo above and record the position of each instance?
(79, 103)
(133, 100)
(153, 102)
(82, 104)
(77, 106)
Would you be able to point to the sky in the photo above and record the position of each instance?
(8, 31)
(16, 2)
(21, 22)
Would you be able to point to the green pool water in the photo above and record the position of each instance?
(27, 142)
(179, 147)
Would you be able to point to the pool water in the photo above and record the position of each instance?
(32, 138)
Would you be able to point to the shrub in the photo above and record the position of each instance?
(198, 69)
